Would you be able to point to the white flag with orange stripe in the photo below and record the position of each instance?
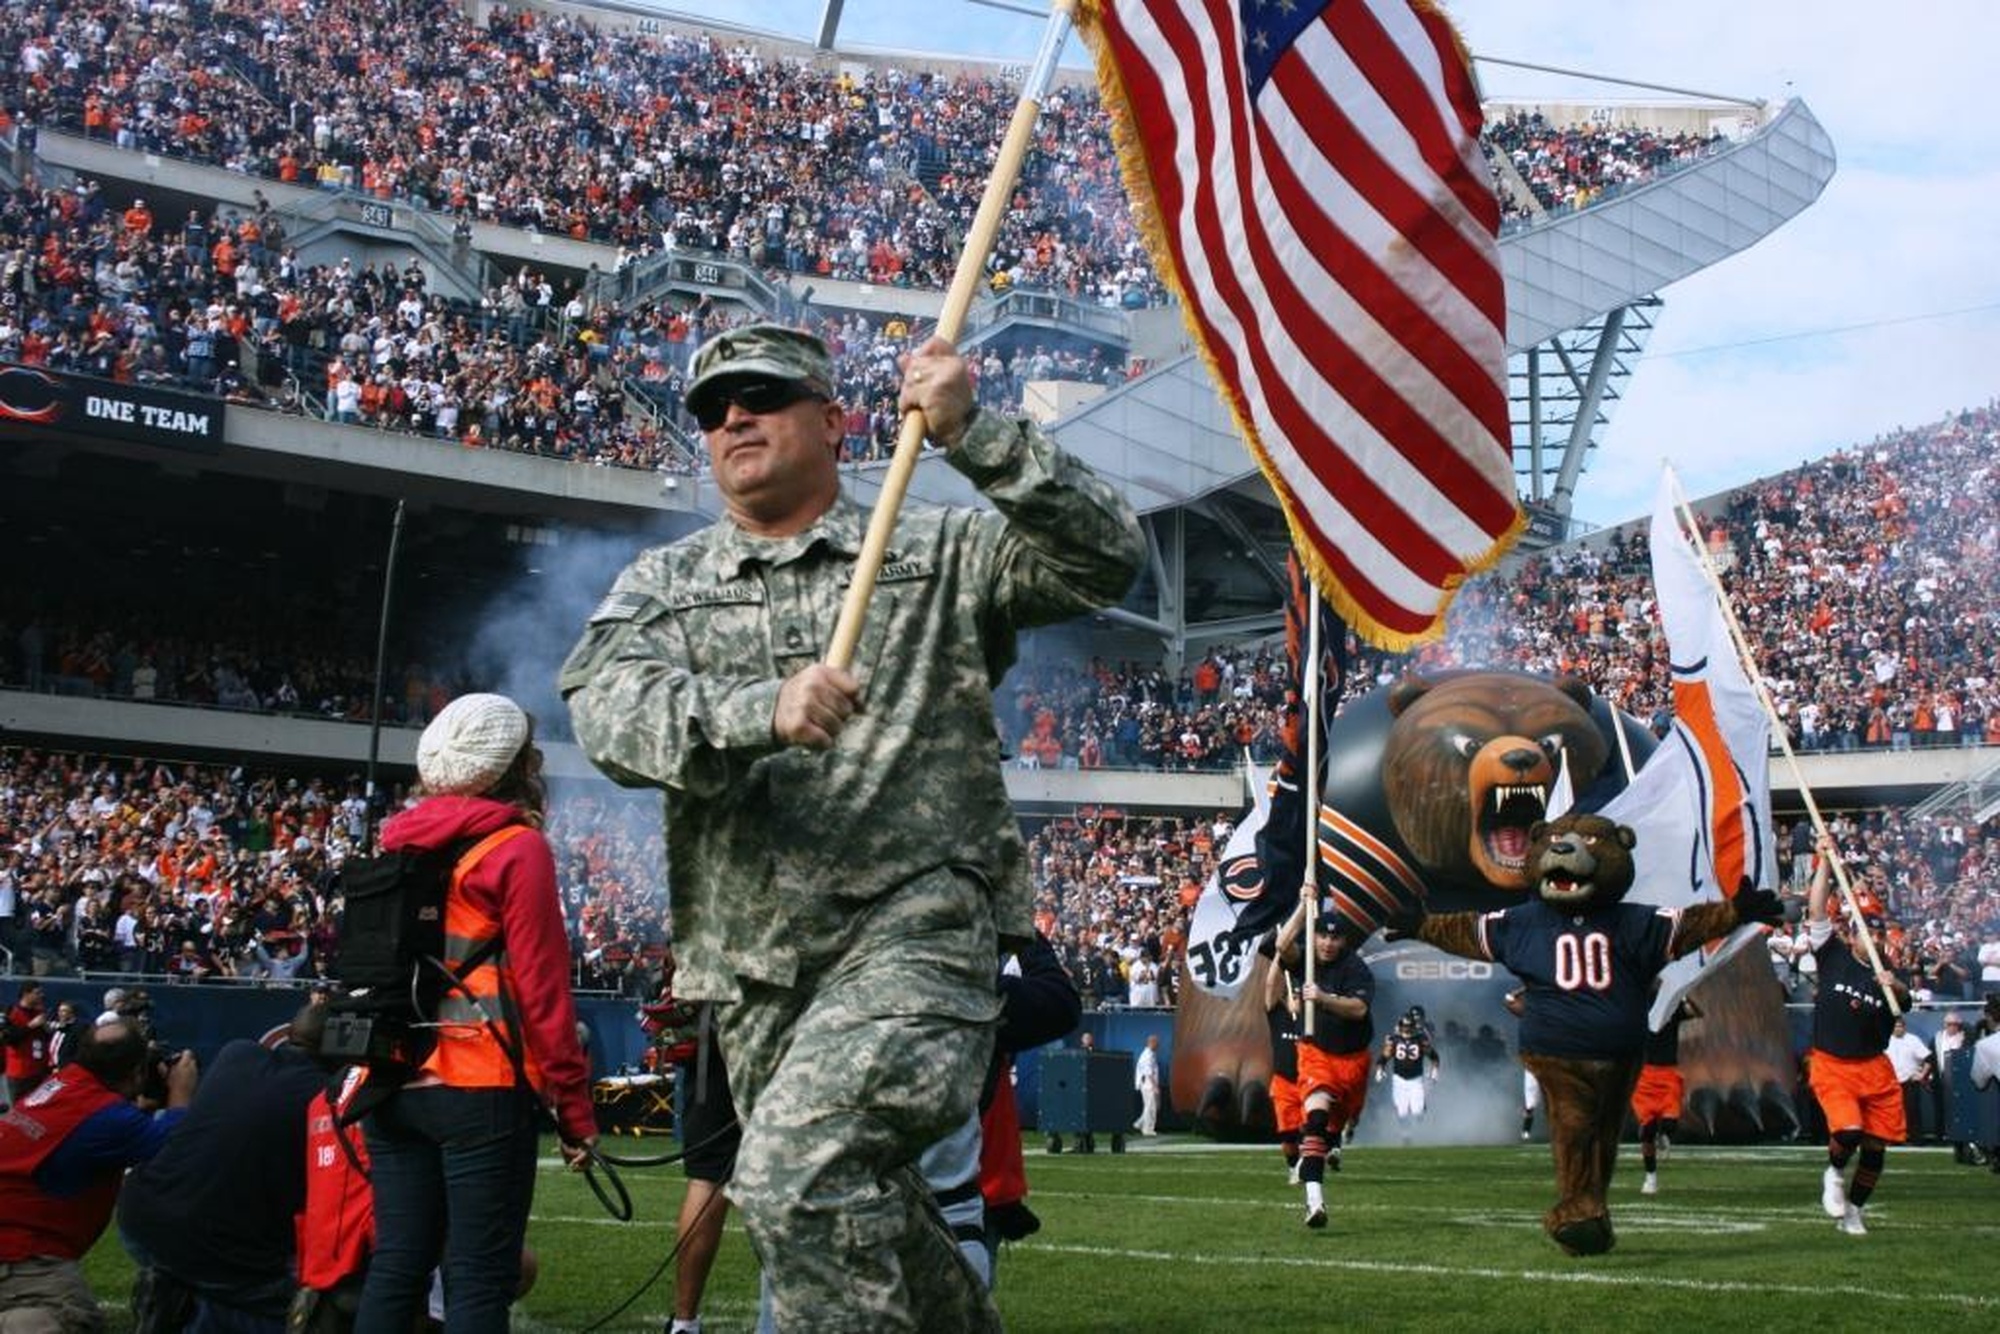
(1701, 804)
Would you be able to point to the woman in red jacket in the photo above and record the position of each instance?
(453, 1151)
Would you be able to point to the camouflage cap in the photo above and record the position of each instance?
(761, 349)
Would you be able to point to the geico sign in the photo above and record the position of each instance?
(1443, 970)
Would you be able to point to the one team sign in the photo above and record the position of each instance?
(42, 402)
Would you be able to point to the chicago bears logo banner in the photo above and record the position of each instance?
(1217, 960)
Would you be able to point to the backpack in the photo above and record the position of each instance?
(391, 968)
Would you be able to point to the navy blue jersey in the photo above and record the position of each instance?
(1406, 1054)
(1345, 976)
(1664, 1046)
(1851, 1016)
(1284, 1040)
(1590, 976)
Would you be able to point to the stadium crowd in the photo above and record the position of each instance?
(205, 872)
(1571, 167)
(654, 143)
(220, 304)
(536, 120)
(661, 143)
(671, 141)
(266, 668)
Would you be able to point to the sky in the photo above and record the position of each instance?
(1877, 307)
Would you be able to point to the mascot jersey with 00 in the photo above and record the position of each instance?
(1589, 960)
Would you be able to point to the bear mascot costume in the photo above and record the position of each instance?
(1589, 961)
(1431, 786)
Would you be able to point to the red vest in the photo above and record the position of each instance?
(32, 1222)
(27, 1057)
(336, 1231)
(1003, 1177)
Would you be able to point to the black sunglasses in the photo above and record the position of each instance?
(752, 393)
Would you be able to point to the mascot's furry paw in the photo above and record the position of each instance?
(1585, 1236)
(1737, 1059)
(1756, 904)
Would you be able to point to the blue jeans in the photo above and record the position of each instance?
(454, 1176)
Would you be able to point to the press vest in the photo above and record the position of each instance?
(1003, 1176)
(336, 1229)
(34, 1223)
(469, 1052)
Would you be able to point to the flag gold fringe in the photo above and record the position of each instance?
(1137, 172)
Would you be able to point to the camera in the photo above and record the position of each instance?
(159, 1058)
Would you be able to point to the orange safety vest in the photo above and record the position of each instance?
(470, 1052)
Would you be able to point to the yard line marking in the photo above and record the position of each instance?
(1967, 1301)
(1738, 1218)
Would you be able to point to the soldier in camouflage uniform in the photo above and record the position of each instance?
(844, 860)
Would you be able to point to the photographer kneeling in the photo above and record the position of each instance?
(211, 1216)
(63, 1153)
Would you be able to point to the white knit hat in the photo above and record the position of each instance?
(469, 745)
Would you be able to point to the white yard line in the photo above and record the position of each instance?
(1962, 1301)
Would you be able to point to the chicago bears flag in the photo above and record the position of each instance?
(1308, 177)
(1217, 960)
(1701, 804)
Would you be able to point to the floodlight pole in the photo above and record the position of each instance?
(381, 668)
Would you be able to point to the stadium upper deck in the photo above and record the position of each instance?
(854, 170)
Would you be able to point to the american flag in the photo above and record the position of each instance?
(1308, 175)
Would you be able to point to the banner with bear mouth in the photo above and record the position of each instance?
(34, 399)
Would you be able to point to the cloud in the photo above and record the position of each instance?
(1804, 343)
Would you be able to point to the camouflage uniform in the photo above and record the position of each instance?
(847, 904)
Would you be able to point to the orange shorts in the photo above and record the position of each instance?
(1657, 1095)
(1344, 1075)
(1860, 1094)
(1286, 1104)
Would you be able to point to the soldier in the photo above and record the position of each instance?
(845, 864)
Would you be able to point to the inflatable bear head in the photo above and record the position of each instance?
(1469, 762)
(1581, 862)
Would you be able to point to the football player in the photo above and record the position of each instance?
(1402, 1060)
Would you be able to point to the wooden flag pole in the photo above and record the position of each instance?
(1748, 659)
(1309, 797)
(951, 322)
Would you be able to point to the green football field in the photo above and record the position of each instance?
(1179, 1234)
